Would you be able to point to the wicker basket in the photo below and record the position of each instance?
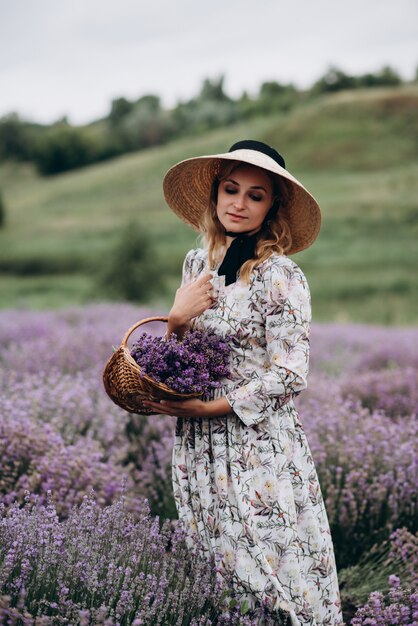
(125, 386)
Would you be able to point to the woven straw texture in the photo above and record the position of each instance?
(187, 187)
(126, 387)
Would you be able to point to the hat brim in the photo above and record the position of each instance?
(187, 186)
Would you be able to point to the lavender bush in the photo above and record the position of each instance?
(399, 606)
(58, 429)
(194, 364)
(353, 348)
(404, 549)
(367, 469)
(73, 405)
(102, 566)
(149, 456)
(34, 457)
(62, 387)
(396, 555)
(393, 391)
(60, 432)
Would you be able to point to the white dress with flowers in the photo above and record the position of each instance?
(246, 482)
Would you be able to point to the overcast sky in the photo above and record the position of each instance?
(73, 57)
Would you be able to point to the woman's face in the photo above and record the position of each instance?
(244, 199)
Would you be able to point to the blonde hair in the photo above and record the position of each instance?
(274, 235)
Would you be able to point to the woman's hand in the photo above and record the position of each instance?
(191, 300)
(191, 408)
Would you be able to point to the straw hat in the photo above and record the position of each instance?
(187, 186)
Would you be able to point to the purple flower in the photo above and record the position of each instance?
(59, 433)
(195, 364)
(394, 608)
(103, 566)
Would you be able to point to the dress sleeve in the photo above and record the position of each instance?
(187, 273)
(287, 327)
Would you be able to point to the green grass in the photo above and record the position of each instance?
(40, 292)
(357, 152)
(368, 130)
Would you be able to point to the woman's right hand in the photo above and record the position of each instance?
(190, 300)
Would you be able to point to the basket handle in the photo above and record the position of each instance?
(135, 326)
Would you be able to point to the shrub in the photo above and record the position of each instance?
(102, 566)
(365, 464)
(150, 454)
(396, 555)
(53, 403)
(398, 606)
(52, 381)
(131, 271)
(34, 457)
(394, 391)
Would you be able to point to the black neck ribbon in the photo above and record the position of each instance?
(241, 249)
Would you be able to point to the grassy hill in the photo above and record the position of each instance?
(356, 151)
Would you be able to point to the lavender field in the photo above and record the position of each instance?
(88, 531)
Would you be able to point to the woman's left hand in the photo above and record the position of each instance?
(178, 408)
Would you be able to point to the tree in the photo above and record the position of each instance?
(274, 96)
(386, 77)
(212, 108)
(145, 126)
(150, 102)
(119, 109)
(334, 80)
(389, 76)
(14, 138)
(213, 90)
(141, 125)
(272, 89)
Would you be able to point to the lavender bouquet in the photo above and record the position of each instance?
(194, 364)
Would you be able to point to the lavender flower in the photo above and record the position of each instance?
(34, 457)
(393, 391)
(193, 365)
(366, 463)
(393, 561)
(399, 606)
(404, 549)
(59, 433)
(102, 566)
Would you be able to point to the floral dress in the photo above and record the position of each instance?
(246, 482)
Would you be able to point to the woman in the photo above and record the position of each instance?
(243, 474)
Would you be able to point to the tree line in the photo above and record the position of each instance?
(136, 125)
